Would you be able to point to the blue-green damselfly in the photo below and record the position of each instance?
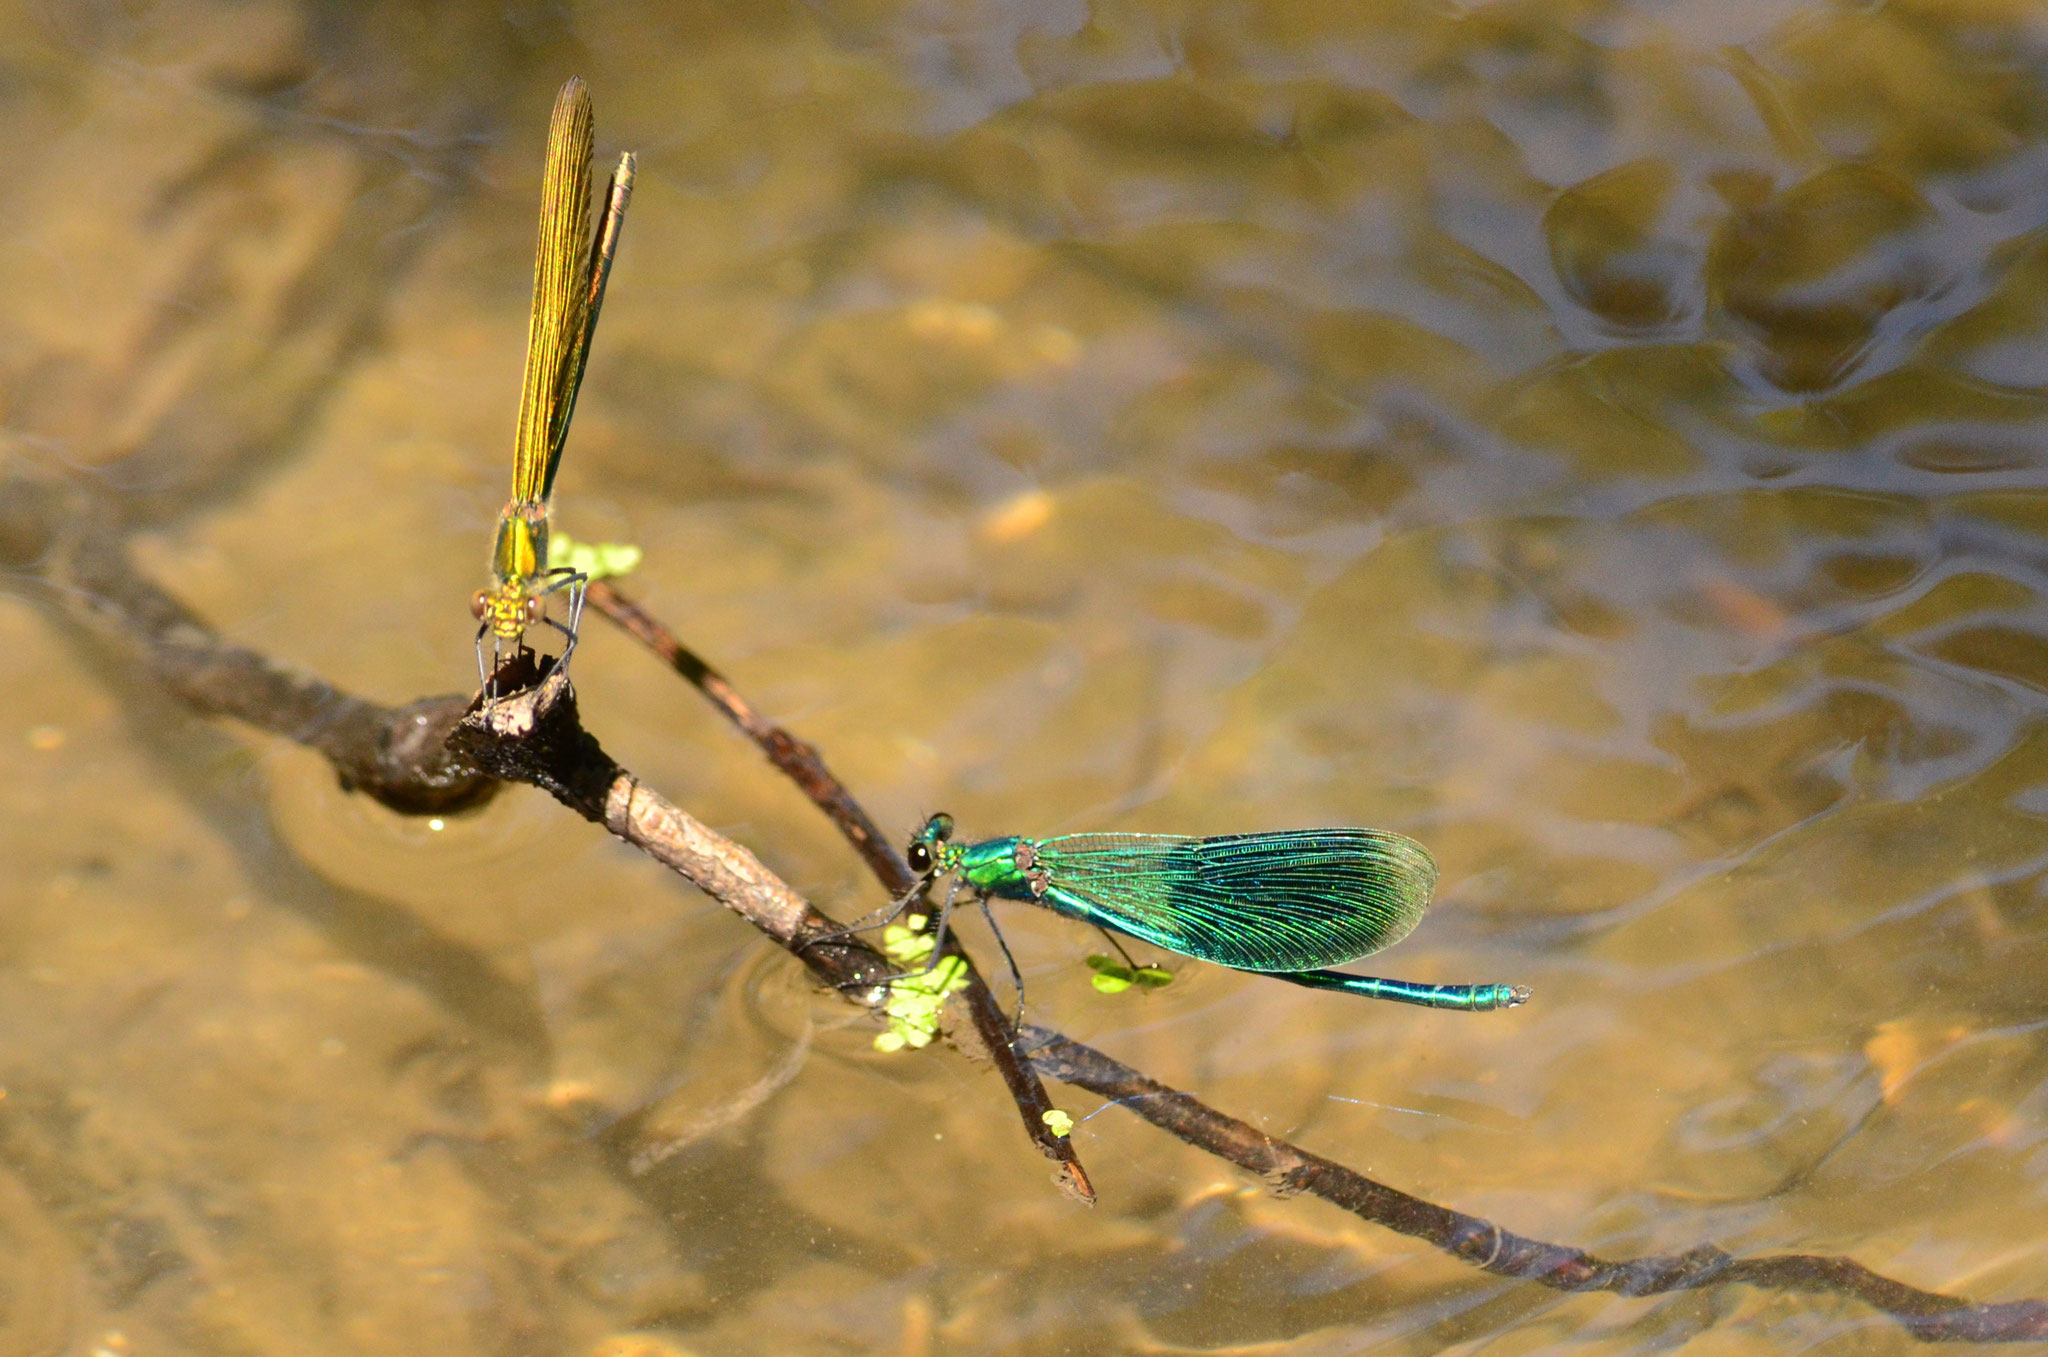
(1288, 904)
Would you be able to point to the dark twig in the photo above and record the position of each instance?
(804, 766)
(800, 762)
(1927, 1315)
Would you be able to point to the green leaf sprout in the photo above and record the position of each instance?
(598, 560)
(1114, 977)
(914, 1001)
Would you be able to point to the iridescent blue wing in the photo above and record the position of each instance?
(1289, 901)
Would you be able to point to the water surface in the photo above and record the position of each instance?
(1599, 439)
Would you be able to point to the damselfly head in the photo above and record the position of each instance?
(506, 611)
(927, 848)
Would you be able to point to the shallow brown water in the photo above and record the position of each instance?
(1601, 440)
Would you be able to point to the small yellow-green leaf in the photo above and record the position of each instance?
(1057, 1122)
(915, 1000)
(905, 944)
(1114, 977)
(598, 560)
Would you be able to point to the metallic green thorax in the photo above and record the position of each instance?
(991, 866)
(1004, 867)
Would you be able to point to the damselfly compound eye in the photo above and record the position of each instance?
(480, 604)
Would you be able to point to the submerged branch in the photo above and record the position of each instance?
(61, 536)
(1927, 1315)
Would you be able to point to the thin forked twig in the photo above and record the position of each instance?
(803, 765)
(534, 736)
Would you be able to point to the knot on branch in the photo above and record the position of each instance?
(534, 735)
